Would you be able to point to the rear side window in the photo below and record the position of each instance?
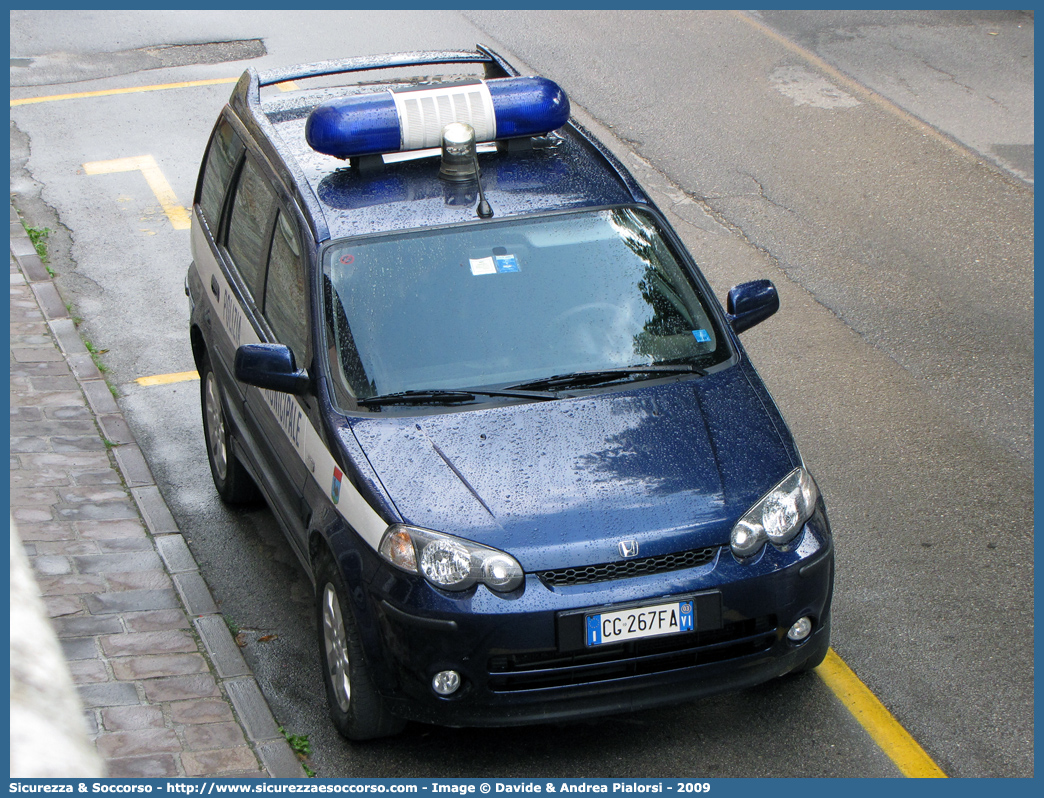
(285, 290)
(221, 159)
(251, 211)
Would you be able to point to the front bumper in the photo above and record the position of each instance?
(518, 667)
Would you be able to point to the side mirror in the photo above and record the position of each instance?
(270, 366)
(751, 303)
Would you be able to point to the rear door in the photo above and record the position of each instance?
(242, 250)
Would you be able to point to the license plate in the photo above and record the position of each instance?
(672, 618)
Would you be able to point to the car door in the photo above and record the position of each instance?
(282, 417)
(268, 422)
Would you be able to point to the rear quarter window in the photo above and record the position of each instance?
(222, 155)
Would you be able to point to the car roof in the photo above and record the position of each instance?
(564, 170)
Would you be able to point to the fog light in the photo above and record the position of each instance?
(800, 630)
(446, 682)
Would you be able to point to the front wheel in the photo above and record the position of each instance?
(231, 479)
(356, 707)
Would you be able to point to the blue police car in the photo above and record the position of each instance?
(507, 428)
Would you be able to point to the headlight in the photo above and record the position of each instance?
(445, 563)
(778, 516)
(449, 562)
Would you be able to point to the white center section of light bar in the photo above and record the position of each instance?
(424, 113)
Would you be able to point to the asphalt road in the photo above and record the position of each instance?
(897, 227)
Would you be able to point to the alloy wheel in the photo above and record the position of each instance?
(216, 427)
(336, 644)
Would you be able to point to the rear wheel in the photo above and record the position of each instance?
(356, 707)
(231, 479)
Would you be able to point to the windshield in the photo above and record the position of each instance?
(499, 303)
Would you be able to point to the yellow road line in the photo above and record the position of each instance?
(879, 723)
(167, 379)
(146, 164)
(287, 85)
(132, 90)
(855, 87)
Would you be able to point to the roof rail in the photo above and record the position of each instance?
(370, 62)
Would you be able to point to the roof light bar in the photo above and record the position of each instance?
(413, 119)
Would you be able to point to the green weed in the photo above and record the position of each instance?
(38, 235)
(299, 742)
(96, 356)
(301, 746)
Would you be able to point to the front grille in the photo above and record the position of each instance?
(543, 669)
(605, 572)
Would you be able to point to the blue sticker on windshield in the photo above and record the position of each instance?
(506, 263)
(701, 335)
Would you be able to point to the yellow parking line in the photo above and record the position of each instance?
(167, 379)
(287, 85)
(879, 723)
(146, 164)
(131, 90)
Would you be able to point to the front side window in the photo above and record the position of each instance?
(286, 293)
(251, 210)
(493, 304)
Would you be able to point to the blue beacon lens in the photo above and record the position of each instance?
(527, 106)
(362, 125)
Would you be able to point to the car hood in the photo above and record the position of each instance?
(562, 483)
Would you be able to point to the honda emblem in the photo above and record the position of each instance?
(628, 548)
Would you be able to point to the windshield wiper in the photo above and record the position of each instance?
(435, 396)
(603, 376)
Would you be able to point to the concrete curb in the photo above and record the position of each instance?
(231, 671)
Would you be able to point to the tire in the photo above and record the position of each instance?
(356, 708)
(234, 485)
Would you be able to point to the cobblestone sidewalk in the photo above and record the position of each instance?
(165, 690)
